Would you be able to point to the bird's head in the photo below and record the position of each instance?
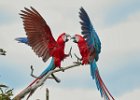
(63, 38)
(78, 38)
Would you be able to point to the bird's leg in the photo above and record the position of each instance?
(62, 69)
(78, 59)
(69, 54)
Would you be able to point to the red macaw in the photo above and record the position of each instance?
(39, 37)
(90, 47)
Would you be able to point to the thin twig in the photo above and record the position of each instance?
(41, 82)
(32, 71)
(53, 76)
(47, 94)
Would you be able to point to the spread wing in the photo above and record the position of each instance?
(89, 33)
(38, 33)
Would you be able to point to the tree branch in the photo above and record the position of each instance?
(53, 76)
(32, 71)
(41, 82)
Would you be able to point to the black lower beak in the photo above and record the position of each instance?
(67, 40)
(74, 40)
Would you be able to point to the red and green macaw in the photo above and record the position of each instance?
(90, 47)
(40, 39)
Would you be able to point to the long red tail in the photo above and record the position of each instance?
(101, 86)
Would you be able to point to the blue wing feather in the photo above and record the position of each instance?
(89, 32)
(22, 40)
(93, 43)
(51, 65)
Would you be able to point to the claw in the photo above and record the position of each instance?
(78, 58)
(77, 63)
(62, 69)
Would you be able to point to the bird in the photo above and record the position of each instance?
(41, 40)
(89, 46)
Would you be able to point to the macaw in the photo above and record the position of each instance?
(90, 47)
(40, 39)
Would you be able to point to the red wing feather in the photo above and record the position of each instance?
(38, 33)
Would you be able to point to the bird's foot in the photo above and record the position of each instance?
(62, 69)
(78, 58)
(69, 54)
(77, 63)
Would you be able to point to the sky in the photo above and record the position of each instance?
(117, 24)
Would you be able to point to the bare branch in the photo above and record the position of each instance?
(32, 71)
(53, 76)
(47, 94)
(41, 82)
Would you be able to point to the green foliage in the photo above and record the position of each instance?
(2, 52)
(5, 92)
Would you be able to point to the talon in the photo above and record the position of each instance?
(62, 69)
(78, 59)
(77, 63)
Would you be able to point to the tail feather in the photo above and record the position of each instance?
(93, 68)
(99, 82)
(22, 40)
(103, 89)
(50, 67)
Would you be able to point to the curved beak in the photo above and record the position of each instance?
(67, 37)
(74, 39)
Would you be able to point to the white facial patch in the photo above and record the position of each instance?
(64, 37)
(76, 38)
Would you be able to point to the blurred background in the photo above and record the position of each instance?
(117, 23)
